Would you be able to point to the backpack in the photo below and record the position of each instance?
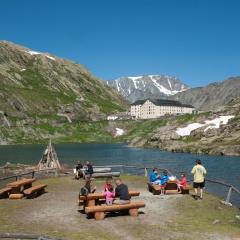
(84, 191)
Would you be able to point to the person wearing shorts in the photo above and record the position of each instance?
(199, 173)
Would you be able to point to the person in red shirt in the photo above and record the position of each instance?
(182, 183)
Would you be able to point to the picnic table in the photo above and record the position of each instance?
(91, 198)
(20, 185)
(171, 188)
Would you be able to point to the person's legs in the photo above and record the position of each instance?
(196, 191)
(202, 185)
(201, 193)
(179, 188)
(196, 186)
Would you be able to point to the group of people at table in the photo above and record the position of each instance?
(198, 172)
(157, 179)
(119, 195)
(121, 190)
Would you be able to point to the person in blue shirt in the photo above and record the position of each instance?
(163, 181)
(164, 178)
(154, 177)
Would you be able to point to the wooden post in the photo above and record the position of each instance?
(133, 212)
(145, 172)
(99, 215)
(91, 202)
(229, 195)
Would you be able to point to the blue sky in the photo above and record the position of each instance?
(195, 40)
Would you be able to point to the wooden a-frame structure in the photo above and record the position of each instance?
(49, 158)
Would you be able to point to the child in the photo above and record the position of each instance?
(182, 183)
(108, 184)
(109, 194)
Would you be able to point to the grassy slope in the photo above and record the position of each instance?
(99, 131)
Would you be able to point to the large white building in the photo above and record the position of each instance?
(154, 108)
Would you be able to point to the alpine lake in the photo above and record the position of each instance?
(221, 168)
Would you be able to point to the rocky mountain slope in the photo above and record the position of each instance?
(204, 133)
(214, 96)
(149, 86)
(36, 85)
(43, 96)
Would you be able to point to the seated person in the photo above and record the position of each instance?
(88, 170)
(108, 184)
(154, 177)
(78, 168)
(121, 191)
(164, 180)
(89, 187)
(109, 195)
(182, 183)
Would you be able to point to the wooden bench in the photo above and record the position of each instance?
(185, 190)
(90, 199)
(154, 188)
(4, 192)
(16, 196)
(35, 190)
(99, 211)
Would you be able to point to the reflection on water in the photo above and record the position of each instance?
(222, 168)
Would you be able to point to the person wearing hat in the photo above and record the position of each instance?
(199, 173)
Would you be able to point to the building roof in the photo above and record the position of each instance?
(162, 102)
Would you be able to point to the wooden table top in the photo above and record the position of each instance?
(100, 195)
(21, 182)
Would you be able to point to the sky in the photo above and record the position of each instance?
(197, 41)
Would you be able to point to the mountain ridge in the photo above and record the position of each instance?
(211, 97)
(147, 86)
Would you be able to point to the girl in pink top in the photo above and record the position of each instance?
(109, 195)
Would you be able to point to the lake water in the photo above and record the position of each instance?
(222, 168)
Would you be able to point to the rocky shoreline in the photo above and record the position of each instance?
(224, 140)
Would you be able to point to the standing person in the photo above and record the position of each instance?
(88, 170)
(199, 173)
(121, 191)
(154, 178)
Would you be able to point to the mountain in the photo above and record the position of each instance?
(37, 86)
(211, 97)
(43, 96)
(148, 86)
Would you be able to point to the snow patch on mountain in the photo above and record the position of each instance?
(39, 53)
(214, 123)
(119, 132)
(161, 88)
